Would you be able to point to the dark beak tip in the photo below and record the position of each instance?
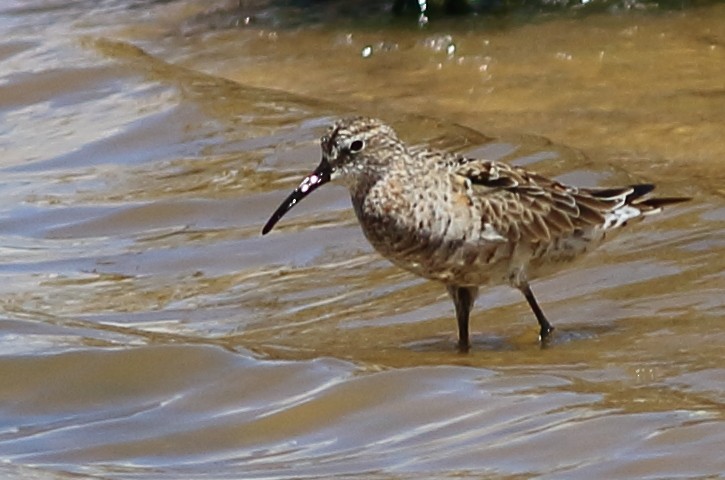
(271, 222)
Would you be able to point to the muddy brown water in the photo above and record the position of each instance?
(147, 330)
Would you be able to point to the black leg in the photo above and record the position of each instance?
(463, 298)
(546, 327)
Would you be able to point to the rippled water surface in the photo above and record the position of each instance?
(147, 330)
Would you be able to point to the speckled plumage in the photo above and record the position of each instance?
(465, 222)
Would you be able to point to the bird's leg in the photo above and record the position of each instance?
(546, 327)
(463, 298)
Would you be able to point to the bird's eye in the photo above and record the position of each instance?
(356, 146)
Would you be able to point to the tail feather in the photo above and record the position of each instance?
(639, 191)
(634, 204)
(654, 205)
(628, 194)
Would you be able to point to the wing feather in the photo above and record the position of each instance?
(519, 203)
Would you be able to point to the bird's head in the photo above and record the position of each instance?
(351, 148)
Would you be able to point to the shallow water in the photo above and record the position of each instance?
(147, 330)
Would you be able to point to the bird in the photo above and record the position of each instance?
(465, 222)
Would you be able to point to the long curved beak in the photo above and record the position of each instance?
(309, 184)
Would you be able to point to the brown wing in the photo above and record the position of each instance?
(519, 203)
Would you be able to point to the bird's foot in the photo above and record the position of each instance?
(464, 347)
(544, 334)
